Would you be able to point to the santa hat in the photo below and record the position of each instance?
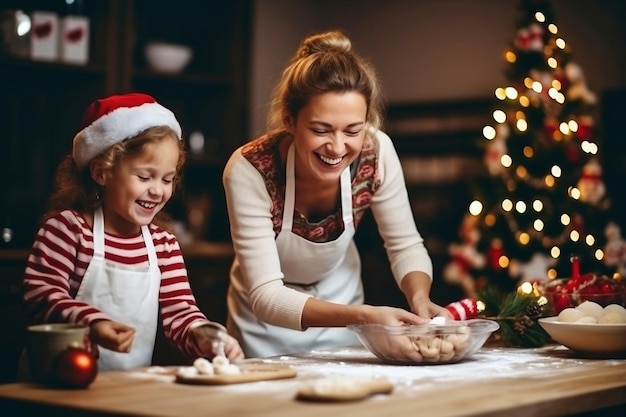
(113, 119)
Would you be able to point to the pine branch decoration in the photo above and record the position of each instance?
(517, 315)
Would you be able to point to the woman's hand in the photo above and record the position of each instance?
(398, 348)
(416, 287)
(423, 307)
(112, 335)
(391, 316)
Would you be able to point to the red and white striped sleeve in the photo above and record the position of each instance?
(179, 310)
(55, 267)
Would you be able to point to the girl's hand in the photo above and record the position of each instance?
(212, 339)
(112, 335)
(232, 349)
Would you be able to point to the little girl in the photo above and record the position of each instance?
(102, 256)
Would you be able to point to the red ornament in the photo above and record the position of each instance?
(75, 367)
(551, 128)
(584, 131)
(572, 152)
(464, 309)
(494, 254)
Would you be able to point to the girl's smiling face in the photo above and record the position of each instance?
(328, 134)
(138, 187)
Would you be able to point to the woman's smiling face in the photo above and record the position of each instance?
(328, 134)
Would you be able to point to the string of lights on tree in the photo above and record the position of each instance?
(543, 199)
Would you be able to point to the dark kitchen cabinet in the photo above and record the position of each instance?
(42, 102)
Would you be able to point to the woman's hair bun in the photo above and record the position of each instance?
(331, 41)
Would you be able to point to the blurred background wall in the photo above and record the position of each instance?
(430, 50)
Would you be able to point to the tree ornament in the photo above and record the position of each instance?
(536, 269)
(615, 249)
(74, 367)
(585, 127)
(493, 155)
(578, 89)
(591, 186)
(577, 224)
(495, 252)
(535, 34)
(465, 257)
(572, 152)
(522, 39)
(530, 38)
(551, 128)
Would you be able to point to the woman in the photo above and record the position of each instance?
(295, 197)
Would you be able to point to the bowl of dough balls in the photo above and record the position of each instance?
(435, 343)
(589, 328)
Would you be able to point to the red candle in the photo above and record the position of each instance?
(575, 266)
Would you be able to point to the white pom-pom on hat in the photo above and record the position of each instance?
(113, 119)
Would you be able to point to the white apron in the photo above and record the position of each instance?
(127, 295)
(329, 271)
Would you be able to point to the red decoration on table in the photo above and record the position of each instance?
(566, 293)
(75, 367)
(464, 309)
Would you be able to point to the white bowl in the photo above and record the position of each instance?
(424, 344)
(593, 339)
(167, 57)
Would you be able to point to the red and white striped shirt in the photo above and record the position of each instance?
(59, 258)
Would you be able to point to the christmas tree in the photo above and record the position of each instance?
(543, 199)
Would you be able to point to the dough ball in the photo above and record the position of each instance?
(587, 320)
(446, 347)
(591, 308)
(461, 340)
(570, 315)
(435, 343)
(429, 349)
(203, 366)
(615, 308)
(612, 317)
(187, 371)
(220, 361)
(446, 357)
(228, 369)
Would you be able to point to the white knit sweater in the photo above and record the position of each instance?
(257, 274)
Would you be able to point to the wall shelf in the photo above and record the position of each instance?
(42, 105)
(44, 101)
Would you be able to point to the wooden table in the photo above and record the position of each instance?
(549, 381)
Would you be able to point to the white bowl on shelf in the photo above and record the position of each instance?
(167, 58)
